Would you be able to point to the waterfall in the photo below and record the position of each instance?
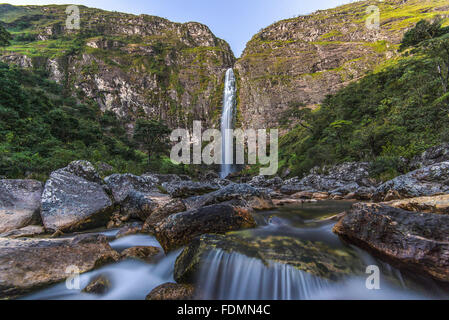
(227, 122)
(233, 276)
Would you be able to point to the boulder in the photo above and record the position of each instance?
(172, 291)
(20, 203)
(253, 198)
(413, 241)
(138, 205)
(129, 229)
(74, 198)
(431, 156)
(99, 285)
(25, 232)
(184, 189)
(31, 264)
(141, 253)
(162, 212)
(313, 257)
(180, 228)
(122, 185)
(427, 181)
(435, 204)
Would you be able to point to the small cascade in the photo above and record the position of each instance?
(227, 122)
(229, 276)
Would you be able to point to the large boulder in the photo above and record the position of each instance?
(312, 257)
(74, 198)
(172, 291)
(164, 210)
(20, 203)
(180, 228)
(122, 185)
(345, 178)
(31, 264)
(410, 240)
(184, 189)
(427, 181)
(254, 198)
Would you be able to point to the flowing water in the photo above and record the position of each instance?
(227, 122)
(238, 276)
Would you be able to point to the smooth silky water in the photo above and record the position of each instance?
(236, 276)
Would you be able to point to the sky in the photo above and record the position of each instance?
(235, 21)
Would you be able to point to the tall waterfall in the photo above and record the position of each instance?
(227, 122)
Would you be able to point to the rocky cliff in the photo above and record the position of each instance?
(131, 65)
(301, 60)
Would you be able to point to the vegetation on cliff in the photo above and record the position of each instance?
(394, 113)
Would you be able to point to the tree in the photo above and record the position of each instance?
(151, 135)
(5, 37)
(438, 51)
(299, 114)
(424, 30)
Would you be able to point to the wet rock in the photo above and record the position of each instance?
(122, 185)
(184, 189)
(409, 240)
(140, 253)
(312, 257)
(435, 204)
(99, 285)
(74, 198)
(138, 205)
(179, 229)
(130, 229)
(162, 212)
(172, 291)
(25, 232)
(31, 264)
(19, 203)
(427, 181)
(253, 198)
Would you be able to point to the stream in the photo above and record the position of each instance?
(235, 276)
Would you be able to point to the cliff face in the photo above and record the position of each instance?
(303, 59)
(131, 65)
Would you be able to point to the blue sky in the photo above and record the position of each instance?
(236, 21)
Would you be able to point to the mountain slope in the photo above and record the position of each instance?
(132, 65)
(301, 60)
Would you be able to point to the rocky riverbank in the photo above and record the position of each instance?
(408, 228)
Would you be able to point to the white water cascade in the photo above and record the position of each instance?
(227, 122)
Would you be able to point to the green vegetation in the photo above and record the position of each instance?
(152, 136)
(5, 37)
(42, 130)
(395, 113)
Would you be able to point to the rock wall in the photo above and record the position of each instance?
(132, 65)
(303, 59)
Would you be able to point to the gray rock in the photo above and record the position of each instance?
(427, 181)
(122, 184)
(409, 240)
(181, 228)
(31, 264)
(138, 205)
(74, 199)
(184, 189)
(263, 182)
(254, 198)
(431, 156)
(19, 203)
(345, 178)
